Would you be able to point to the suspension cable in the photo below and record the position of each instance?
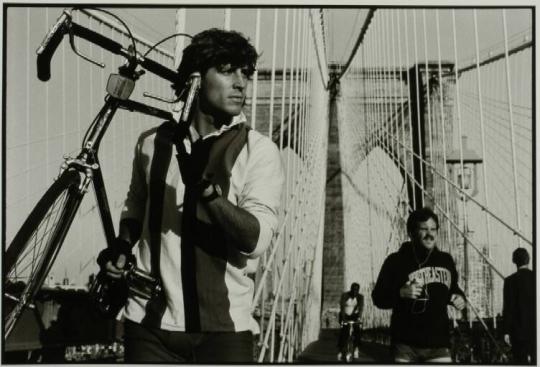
(359, 40)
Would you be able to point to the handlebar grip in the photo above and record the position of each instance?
(48, 46)
(96, 38)
(159, 70)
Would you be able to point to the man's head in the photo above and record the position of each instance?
(423, 227)
(226, 60)
(520, 257)
(355, 288)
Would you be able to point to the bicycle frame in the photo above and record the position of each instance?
(86, 164)
(88, 160)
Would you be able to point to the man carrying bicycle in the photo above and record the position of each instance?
(201, 217)
(351, 307)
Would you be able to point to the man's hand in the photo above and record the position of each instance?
(113, 259)
(507, 339)
(457, 301)
(411, 289)
(115, 270)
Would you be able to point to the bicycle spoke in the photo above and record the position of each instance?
(29, 259)
(40, 244)
(36, 248)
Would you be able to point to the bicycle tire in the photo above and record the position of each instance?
(40, 240)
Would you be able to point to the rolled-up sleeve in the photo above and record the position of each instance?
(135, 203)
(261, 194)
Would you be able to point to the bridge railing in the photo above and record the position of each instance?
(287, 297)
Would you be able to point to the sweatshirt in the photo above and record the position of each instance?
(418, 323)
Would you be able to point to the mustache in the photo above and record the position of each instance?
(429, 237)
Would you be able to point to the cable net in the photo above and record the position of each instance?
(411, 119)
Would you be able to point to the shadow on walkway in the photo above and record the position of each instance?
(325, 350)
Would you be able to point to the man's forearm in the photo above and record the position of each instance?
(130, 230)
(239, 225)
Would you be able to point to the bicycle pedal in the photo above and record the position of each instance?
(16, 299)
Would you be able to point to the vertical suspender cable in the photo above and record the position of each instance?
(443, 134)
(511, 116)
(284, 77)
(47, 114)
(283, 90)
(227, 20)
(365, 76)
(79, 135)
(380, 114)
(288, 190)
(402, 105)
(386, 81)
(383, 68)
(180, 27)
(428, 97)
(114, 145)
(28, 152)
(443, 125)
(296, 91)
(291, 85)
(273, 74)
(484, 155)
(64, 132)
(417, 82)
(270, 135)
(460, 140)
(409, 101)
(395, 127)
(256, 73)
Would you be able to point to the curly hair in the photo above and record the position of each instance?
(420, 215)
(212, 48)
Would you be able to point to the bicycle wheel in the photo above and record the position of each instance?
(34, 248)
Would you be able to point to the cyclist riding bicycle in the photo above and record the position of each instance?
(351, 307)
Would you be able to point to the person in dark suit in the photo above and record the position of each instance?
(519, 310)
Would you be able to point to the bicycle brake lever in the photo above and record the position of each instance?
(74, 48)
(161, 99)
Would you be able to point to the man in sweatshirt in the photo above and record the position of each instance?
(418, 282)
(519, 312)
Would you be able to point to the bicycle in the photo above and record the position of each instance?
(34, 248)
(347, 350)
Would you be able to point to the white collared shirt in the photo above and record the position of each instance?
(256, 183)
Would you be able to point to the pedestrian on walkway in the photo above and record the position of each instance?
(195, 223)
(418, 282)
(519, 314)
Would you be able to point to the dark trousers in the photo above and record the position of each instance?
(146, 344)
(344, 335)
(522, 349)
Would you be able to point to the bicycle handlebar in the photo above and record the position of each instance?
(351, 322)
(48, 46)
(96, 38)
(65, 23)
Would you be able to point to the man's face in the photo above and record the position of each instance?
(223, 90)
(355, 289)
(426, 233)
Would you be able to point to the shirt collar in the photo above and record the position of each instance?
(238, 119)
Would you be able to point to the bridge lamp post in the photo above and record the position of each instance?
(467, 180)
